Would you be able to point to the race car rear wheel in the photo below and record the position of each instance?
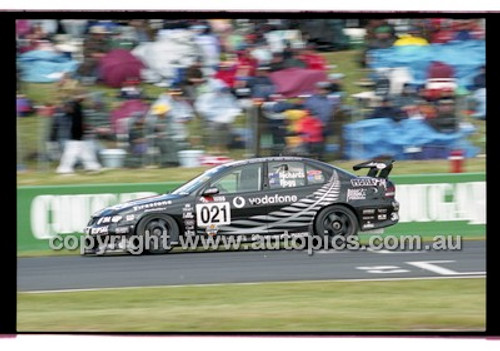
(159, 230)
(336, 221)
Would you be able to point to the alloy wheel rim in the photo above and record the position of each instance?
(336, 223)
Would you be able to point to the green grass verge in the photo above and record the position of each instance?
(449, 304)
(145, 175)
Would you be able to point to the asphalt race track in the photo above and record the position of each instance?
(76, 272)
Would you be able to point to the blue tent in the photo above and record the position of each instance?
(464, 56)
(371, 138)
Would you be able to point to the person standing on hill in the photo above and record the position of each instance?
(162, 132)
(95, 47)
(77, 148)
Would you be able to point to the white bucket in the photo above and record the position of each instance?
(190, 158)
(113, 158)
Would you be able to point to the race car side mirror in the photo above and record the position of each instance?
(211, 191)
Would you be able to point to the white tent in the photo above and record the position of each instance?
(173, 49)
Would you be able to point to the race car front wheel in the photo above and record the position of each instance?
(337, 222)
(157, 231)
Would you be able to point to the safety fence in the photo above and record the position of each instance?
(430, 204)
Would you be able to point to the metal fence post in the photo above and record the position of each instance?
(254, 122)
(19, 149)
(43, 112)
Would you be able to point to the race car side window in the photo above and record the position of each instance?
(241, 179)
(286, 175)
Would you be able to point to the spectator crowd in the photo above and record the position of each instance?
(219, 71)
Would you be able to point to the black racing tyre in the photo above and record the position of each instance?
(336, 221)
(157, 225)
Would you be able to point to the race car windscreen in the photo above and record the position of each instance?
(196, 182)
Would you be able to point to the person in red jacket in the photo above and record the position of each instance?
(312, 59)
(246, 63)
(227, 73)
(310, 128)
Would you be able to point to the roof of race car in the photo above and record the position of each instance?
(271, 159)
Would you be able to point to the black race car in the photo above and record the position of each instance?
(264, 196)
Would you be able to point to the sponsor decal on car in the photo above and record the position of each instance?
(284, 183)
(315, 176)
(382, 217)
(122, 230)
(187, 215)
(314, 172)
(291, 175)
(285, 179)
(206, 199)
(189, 232)
(272, 199)
(109, 219)
(189, 223)
(152, 205)
(367, 181)
(239, 202)
(104, 220)
(356, 194)
(274, 179)
(99, 230)
(369, 211)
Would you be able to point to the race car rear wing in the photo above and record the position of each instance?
(378, 169)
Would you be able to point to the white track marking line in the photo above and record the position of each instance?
(384, 251)
(381, 251)
(430, 266)
(252, 283)
(331, 251)
(383, 269)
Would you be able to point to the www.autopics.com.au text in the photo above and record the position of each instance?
(138, 244)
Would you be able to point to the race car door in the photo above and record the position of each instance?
(232, 210)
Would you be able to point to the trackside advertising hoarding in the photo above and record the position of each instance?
(434, 204)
